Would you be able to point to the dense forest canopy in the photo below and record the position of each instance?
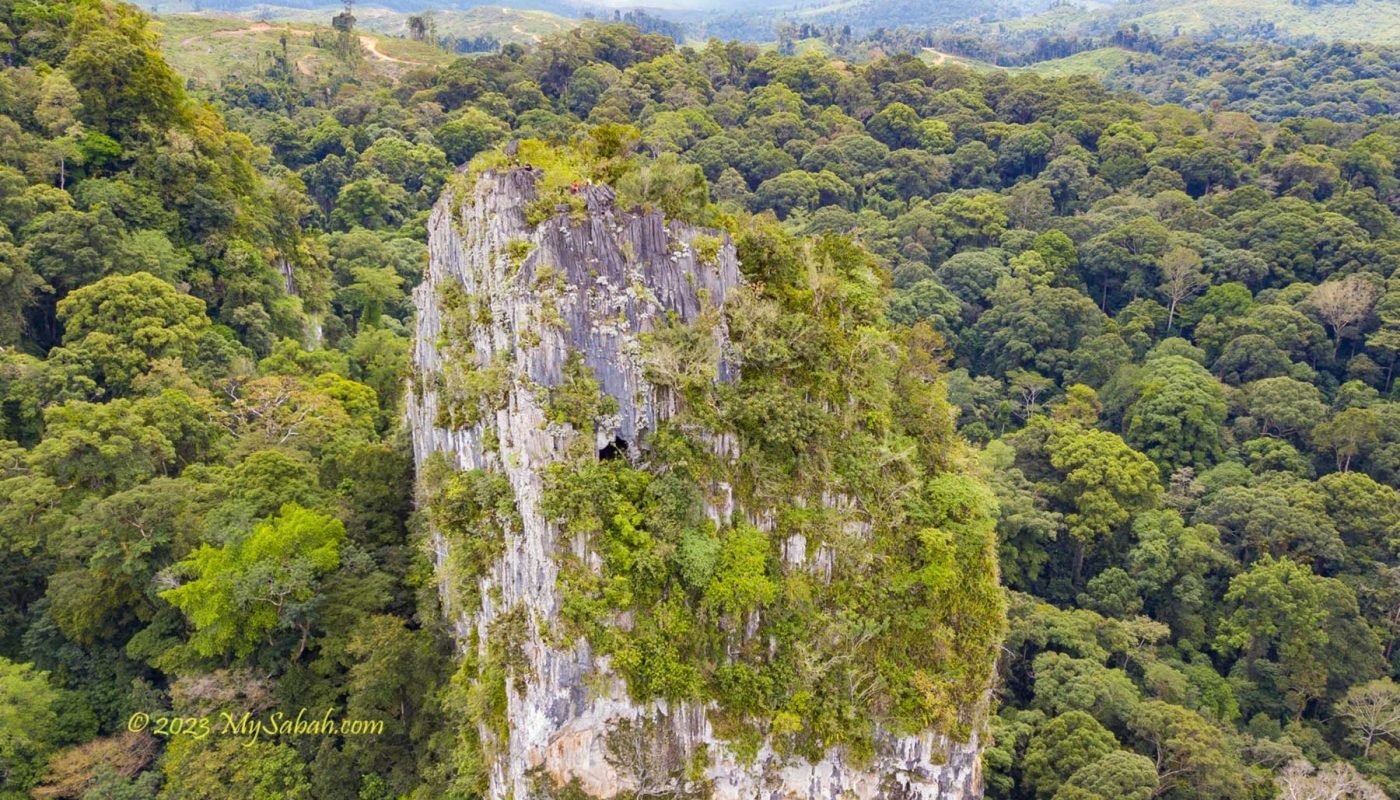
(1171, 334)
(1253, 73)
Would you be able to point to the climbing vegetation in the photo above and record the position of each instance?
(855, 585)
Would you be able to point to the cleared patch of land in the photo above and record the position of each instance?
(498, 22)
(938, 58)
(209, 48)
(1096, 63)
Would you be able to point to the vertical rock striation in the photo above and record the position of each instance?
(590, 284)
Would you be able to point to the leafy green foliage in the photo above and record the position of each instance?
(1066, 744)
(243, 591)
(29, 726)
(910, 612)
(1281, 607)
(1173, 334)
(1177, 417)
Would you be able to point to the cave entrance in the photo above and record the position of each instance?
(615, 449)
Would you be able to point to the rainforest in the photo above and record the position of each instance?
(585, 408)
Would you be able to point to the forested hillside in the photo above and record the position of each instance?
(198, 512)
(1341, 82)
(1170, 334)
(1286, 21)
(1344, 81)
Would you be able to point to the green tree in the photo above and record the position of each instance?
(122, 79)
(29, 726)
(392, 667)
(1284, 406)
(1060, 748)
(1121, 160)
(101, 446)
(1366, 513)
(1386, 339)
(379, 360)
(116, 328)
(1178, 414)
(926, 300)
(975, 221)
(1250, 358)
(1307, 624)
(1125, 258)
(372, 291)
(1173, 565)
(469, 133)
(1350, 433)
(1037, 329)
(899, 126)
(1064, 683)
(1192, 757)
(58, 111)
(1026, 526)
(740, 582)
(1112, 593)
(256, 584)
(111, 550)
(788, 192)
(1372, 712)
(1119, 775)
(69, 249)
(1279, 519)
(19, 287)
(217, 766)
(667, 183)
(370, 203)
(1101, 481)
(415, 167)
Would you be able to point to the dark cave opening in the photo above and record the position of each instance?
(617, 448)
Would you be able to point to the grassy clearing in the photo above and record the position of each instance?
(504, 24)
(209, 48)
(1096, 63)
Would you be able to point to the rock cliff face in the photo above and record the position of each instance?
(590, 284)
